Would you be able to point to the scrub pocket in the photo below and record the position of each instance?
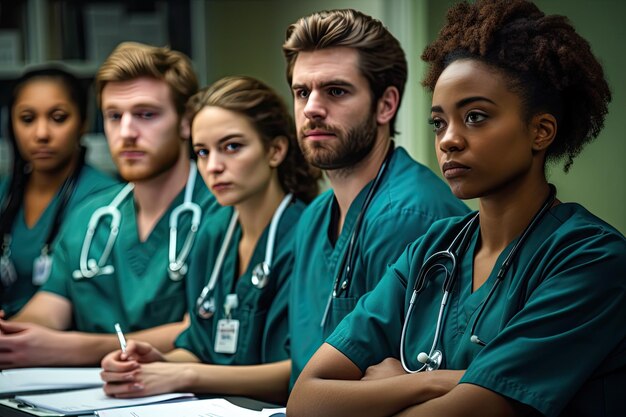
(339, 308)
(251, 328)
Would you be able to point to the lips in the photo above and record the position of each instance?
(453, 169)
(318, 134)
(42, 153)
(220, 186)
(132, 154)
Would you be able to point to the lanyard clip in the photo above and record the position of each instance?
(232, 302)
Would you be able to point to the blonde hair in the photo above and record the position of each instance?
(132, 60)
(381, 58)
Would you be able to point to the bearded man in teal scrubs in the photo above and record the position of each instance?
(99, 278)
(347, 74)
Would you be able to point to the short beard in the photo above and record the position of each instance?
(349, 151)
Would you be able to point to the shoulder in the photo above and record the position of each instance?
(317, 209)
(410, 187)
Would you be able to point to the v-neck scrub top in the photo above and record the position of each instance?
(262, 312)
(139, 294)
(408, 200)
(555, 328)
(27, 242)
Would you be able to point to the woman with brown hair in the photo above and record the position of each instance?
(248, 156)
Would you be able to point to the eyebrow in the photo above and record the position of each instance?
(329, 83)
(463, 102)
(221, 140)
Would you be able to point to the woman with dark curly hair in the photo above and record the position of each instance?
(248, 156)
(519, 308)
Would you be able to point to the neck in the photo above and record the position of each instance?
(505, 215)
(155, 195)
(256, 212)
(347, 185)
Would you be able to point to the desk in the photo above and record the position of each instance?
(239, 401)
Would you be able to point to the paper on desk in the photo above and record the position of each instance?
(217, 407)
(13, 381)
(90, 400)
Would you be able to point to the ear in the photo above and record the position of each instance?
(387, 105)
(277, 151)
(184, 128)
(544, 129)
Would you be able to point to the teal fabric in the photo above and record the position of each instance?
(262, 313)
(554, 328)
(26, 242)
(140, 294)
(409, 199)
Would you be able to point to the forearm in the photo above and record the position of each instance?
(381, 397)
(181, 355)
(161, 337)
(267, 382)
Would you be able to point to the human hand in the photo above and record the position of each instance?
(388, 368)
(148, 379)
(26, 344)
(120, 366)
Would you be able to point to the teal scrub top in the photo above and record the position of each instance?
(262, 313)
(139, 294)
(408, 200)
(27, 243)
(555, 327)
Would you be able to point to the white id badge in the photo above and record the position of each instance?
(226, 336)
(41, 269)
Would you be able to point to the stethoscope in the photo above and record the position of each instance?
(347, 262)
(261, 272)
(42, 265)
(176, 268)
(432, 361)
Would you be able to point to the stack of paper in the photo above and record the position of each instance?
(89, 400)
(13, 381)
(218, 407)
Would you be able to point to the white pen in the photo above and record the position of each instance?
(120, 337)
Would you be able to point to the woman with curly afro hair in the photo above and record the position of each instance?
(517, 309)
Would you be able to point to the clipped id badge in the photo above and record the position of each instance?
(227, 335)
(41, 269)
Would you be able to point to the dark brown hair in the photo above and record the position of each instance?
(543, 59)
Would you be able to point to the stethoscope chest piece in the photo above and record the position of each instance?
(260, 275)
(432, 362)
(206, 310)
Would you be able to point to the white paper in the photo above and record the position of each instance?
(41, 379)
(216, 407)
(89, 400)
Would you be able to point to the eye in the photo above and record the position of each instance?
(337, 92)
(113, 116)
(59, 117)
(232, 147)
(147, 115)
(302, 93)
(475, 117)
(202, 153)
(437, 124)
(26, 118)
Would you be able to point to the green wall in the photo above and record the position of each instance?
(244, 37)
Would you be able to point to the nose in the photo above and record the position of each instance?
(215, 163)
(127, 128)
(452, 140)
(42, 130)
(315, 109)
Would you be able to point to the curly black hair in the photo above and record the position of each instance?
(543, 59)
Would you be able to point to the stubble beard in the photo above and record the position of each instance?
(350, 148)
